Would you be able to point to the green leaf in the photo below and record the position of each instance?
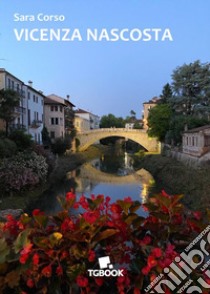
(105, 234)
(130, 218)
(22, 240)
(124, 205)
(135, 206)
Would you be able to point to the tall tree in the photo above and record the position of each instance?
(159, 121)
(166, 94)
(9, 99)
(191, 87)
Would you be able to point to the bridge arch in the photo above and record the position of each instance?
(140, 136)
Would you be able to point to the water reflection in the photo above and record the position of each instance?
(110, 175)
(114, 177)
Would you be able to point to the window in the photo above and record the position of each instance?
(61, 121)
(52, 135)
(37, 99)
(18, 88)
(52, 108)
(42, 102)
(61, 108)
(34, 98)
(13, 85)
(54, 121)
(56, 108)
(29, 117)
(29, 95)
(9, 83)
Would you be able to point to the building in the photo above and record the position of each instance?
(29, 114)
(66, 115)
(81, 124)
(94, 120)
(147, 106)
(54, 117)
(196, 141)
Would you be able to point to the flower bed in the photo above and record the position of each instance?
(54, 254)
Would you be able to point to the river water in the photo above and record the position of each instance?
(111, 175)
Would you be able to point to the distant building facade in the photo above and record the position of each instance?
(94, 120)
(196, 141)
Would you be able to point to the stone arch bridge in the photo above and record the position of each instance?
(140, 136)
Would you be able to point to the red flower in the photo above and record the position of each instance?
(91, 216)
(70, 196)
(30, 283)
(82, 281)
(99, 281)
(146, 240)
(35, 259)
(128, 200)
(151, 261)
(136, 291)
(91, 255)
(156, 252)
(59, 270)
(197, 215)
(116, 208)
(145, 270)
(67, 225)
(163, 192)
(37, 212)
(83, 202)
(24, 254)
(47, 271)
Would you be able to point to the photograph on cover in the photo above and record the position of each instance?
(104, 146)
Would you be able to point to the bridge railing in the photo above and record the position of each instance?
(113, 130)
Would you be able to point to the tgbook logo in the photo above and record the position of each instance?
(106, 269)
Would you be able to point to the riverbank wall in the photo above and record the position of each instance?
(175, 177)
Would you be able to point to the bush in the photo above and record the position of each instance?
(7, 148)
(24, 169)
(22, 140)
(53, 254)
(61, 145)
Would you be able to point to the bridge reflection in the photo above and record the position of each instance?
(88, 176)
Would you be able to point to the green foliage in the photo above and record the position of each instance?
(9, 99)
(22, 140)
(159, 121)
(46, 137)
(7, 148)
(191, 86)
(61, 145)
(111, 121)
(37, 251)
(166, 94)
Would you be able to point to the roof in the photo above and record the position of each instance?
(195, 130)
(60, 99)
(79, 110)
(3, 70)
(154, 100)
(50, 101)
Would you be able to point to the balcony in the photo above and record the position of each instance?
(19, 110)
(17, 127)
(36, 124)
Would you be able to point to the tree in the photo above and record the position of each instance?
(9, 99)
(111, 121)
(191, 87)
(166, 94)
(159, 121)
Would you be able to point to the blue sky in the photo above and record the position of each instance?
(105, 77)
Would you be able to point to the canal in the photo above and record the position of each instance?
(109, 174)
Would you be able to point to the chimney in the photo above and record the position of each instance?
(30, 83)
(67, 97)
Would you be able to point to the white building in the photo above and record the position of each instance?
(29, 114)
